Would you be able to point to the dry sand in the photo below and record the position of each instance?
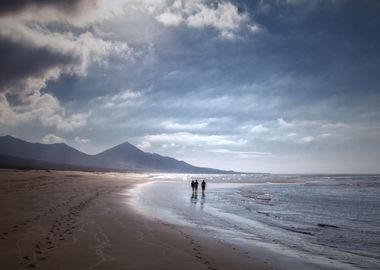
(77, 220)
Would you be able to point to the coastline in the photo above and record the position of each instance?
(80, 220)
(77, 220)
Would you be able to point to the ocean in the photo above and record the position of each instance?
(331, 220)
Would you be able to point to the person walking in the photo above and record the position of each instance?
(192, 185)
(203, 185)
(196, 185)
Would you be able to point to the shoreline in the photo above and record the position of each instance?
(80, 220)
(77, 220)
(281, 255)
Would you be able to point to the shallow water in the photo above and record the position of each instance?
(328, 219)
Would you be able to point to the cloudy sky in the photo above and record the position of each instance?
(266, 86)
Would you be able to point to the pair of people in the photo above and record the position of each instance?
(194, 185)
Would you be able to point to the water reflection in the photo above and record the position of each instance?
(194, 198)
(203, 199)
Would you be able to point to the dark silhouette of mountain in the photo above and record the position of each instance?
(57, 152)
(123, 157)
(10, 162)
(126, 155)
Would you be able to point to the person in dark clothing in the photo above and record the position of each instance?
(192, 185)
(203, 185)
(196, 185)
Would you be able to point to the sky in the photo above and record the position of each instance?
(279, 86)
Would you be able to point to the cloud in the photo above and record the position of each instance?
(225, 17)
(31, 67)
(242, 154)
(307, 139)
(310, 139)
(144, 145)
(79, 13)
(9, 6)
(170, 125)
(80, 140)
(120, 100)
(51, 138)
(259, 129)
(222, 16)
(43, 108)
(169, 19)
(39, 53)
(306, 132)
(187, 138)
(282, 123)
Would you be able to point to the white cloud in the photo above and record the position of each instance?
(297, 131)
(169, 19)
(254, 28)
(223, 16)
(188, 126)
(144, 145)
(80, 140)
(187, 138)
(307, 139)
(119, 100)
(291, 135)
(282, 123)
(51, 138)
(43, 108)
(310, 139)
(242, 154)
(259, 129)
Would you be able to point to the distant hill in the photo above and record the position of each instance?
(11, 162)
(16, 153)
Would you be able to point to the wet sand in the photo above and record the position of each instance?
(76, 220)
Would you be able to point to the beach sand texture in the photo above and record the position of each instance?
(75, 220)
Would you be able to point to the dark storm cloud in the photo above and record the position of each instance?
(31, 51)
(12, 6)
(20, 62)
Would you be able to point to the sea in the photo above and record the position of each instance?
(330, 220)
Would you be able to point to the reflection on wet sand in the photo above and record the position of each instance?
(194, 198)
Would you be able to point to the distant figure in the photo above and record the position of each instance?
(192, 185)
(196, 185)
(203, 185)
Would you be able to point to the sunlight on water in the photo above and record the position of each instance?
(331, 217)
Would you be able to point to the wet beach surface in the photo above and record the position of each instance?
(328, 220)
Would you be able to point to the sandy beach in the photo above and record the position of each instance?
(81, 220)
(76, 220)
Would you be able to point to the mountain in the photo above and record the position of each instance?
(57, 152)
(16, 153)
(11, 162)
(126, 155)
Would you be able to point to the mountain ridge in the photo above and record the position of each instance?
(122, 157)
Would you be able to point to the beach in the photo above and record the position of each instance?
(76, 220)
(316, 221)
(83, 220)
